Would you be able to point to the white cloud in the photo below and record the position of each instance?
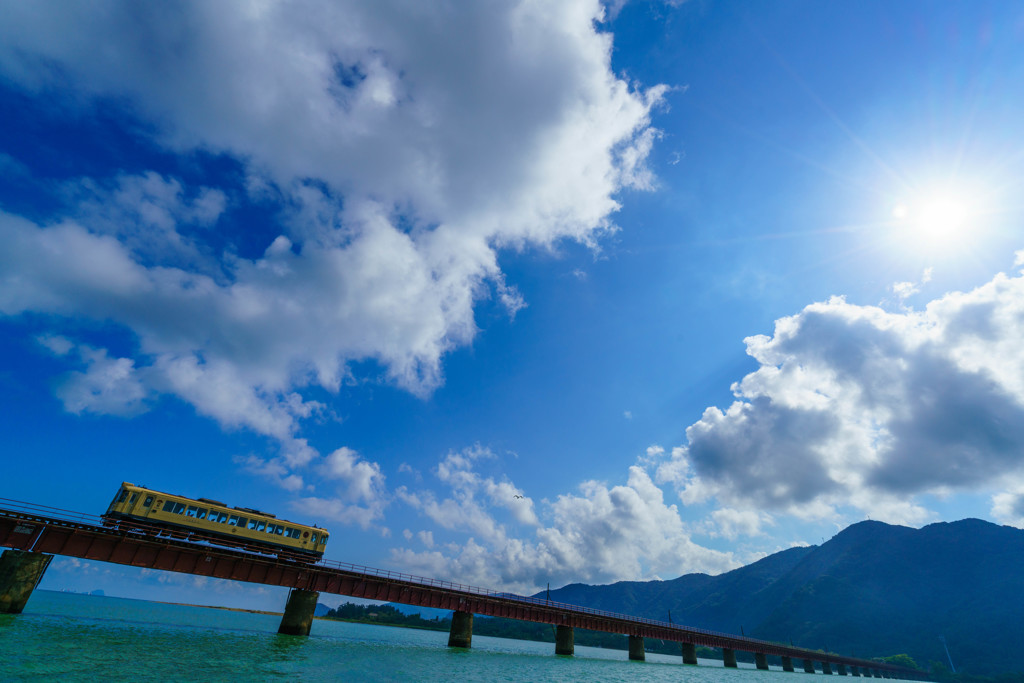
(471, 496)
(146, 213)
(1008, 505)
(601, 534)
(854, 406)
(108, 385)
(375, 129)
(273, 470)
(358, 494)
(57, 344)
(732, 523)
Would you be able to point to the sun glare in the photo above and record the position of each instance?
(937, 220)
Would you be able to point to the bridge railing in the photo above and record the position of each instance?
(48, 511)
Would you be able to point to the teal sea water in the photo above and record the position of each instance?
(70, 637)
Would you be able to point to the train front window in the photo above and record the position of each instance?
(314, 539)
(123, 497)
(135, 497)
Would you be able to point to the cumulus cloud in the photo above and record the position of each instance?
(107, 386)
(399, 147)
(357, 487)
(856, 406)
(600, 534)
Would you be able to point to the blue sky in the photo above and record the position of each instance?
(699, 281)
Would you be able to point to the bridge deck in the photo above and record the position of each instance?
(42, 529)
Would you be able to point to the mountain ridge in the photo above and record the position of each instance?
(873, 589)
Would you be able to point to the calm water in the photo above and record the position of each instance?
(67, 637)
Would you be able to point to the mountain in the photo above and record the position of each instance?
(873, 590)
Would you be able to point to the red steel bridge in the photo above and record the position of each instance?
(40, 531)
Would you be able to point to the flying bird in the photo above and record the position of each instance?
(517, 496)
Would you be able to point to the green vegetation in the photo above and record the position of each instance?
(900, 660)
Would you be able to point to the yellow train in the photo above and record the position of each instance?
(215, 522)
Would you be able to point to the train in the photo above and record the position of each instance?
(215, 522)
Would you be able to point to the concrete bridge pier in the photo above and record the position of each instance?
(636, 648)
(787, 664)
(841, 668)
(854, 671)
(461, 634)
(761, 660)
(20, 573)
(826, 668)
(729, 657)
(298, 612)
(808, 666)
(689, 653)
(564, 640)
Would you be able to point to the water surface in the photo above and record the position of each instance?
(70, 637)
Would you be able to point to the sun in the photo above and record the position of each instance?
(938, 219)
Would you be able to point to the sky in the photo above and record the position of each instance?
(514, 293)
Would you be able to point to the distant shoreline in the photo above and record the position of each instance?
(164, 602)
(229, 609)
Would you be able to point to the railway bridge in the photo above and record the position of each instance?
(33, 534)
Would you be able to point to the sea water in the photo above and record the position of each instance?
(71, 637)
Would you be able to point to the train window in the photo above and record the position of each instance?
(179, 508)
(314, 539)
(169, 506)
(201, 513)
(192, 510)
(124, 496)
(296, 533)
(173, 507)
(135, 497)
(148, 501)
(233, 520)
(252, 524)
(241, 522)
(262, 526)
(271, 528)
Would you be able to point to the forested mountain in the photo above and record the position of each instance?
(874, 589)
